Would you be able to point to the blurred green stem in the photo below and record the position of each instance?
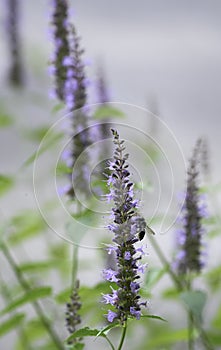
(74, 265)
(190, 319)
(27, 288)
(180, 287)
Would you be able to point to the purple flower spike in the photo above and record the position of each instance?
(110, 275)
(189, 237)
(111, 315)
(127, 224)
(135, 313)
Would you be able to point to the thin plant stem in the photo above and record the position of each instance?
(179, 287)
(109, 342)
(190, 319)
(38, 308)
(122, 336)
(74, 265)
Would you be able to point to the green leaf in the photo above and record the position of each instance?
(58, 107)
(213, 278)
(5, 121)
(106, 329)
(78, 346)
(50, 140)
(153, 276)
(216, 322)
(32, 295)
(170, 293)
(154, 317)
(195, 302)
(215, 337)
(37, 134)
(26, 225)
(168, 338)
(11, 324)
(6, 183)
(107, 111)
(38, 266)
(84, 332)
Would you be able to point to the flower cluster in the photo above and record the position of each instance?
(76, 98)
(16, 71)
(72, 314)
(127, 224)
(189, 237)
(61, 42)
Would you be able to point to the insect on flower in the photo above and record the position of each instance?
(142, 233)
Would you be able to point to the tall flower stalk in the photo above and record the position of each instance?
(16, 74)
(61, 44)
(190, 258)
(127, 223)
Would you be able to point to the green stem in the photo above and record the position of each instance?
(74, 265)
(27, 288)
(109, 342)
(179, 287)
(164, 262)
(122, 336)
(190, 319)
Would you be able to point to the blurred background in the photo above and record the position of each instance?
(158, 56)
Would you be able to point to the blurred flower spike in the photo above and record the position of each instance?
(189, 237)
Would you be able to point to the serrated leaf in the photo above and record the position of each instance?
(84, 332)
(195, 302)
(11, 324)
(6, 183)
(108, 328)
(5, 121)
(107, 111)
(32, 295)
(154, 317)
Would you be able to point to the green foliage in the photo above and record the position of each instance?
(5, 120)
(11, 324)
(153, 276)
(106, 112)
(32, 295)
(26, 225)
(195, 302)
(6, 184)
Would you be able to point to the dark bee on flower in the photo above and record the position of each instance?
(142, 233)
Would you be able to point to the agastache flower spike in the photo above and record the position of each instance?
(73, 318)
(126, 226)
(16, 69)
(76, 99)
(61, 55)
(189, 257)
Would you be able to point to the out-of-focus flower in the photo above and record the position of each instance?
(189, 237)
(16, 73)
